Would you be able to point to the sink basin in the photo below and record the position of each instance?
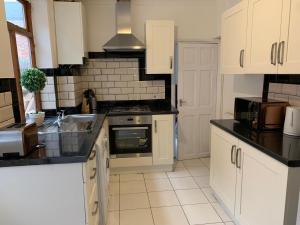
(71, 123)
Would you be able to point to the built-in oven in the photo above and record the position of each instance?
(130, 136)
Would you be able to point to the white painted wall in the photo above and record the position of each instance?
(194, 19)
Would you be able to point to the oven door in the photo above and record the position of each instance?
(130, 141)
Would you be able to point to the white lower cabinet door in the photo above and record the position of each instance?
(263, 187)
(163, 139)
(223, 169)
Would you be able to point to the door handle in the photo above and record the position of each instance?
(171, 62)
(155, 126)
(181, 102)
(233, 149)
(238, 158)
(242, 53)
(280, 55)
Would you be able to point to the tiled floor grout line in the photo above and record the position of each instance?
(148, 199)
(179, 201)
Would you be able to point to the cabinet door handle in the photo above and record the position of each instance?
(233, 149)
(107, 163)
(155, 126)
(242, 53)
(93, 154)
(94, 174)
(181, 102)
(96, 204)
(238, 158)
(274, 54)
(171, 62)
(280, 55)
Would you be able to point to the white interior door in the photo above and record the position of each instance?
(197, 88)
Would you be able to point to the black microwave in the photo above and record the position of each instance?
(260, 115)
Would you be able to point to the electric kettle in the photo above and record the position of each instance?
(292, 121)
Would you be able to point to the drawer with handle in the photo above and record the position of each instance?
(91, 172)
(93, 207)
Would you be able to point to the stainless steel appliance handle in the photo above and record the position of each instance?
(130, 128)
(238, 158)
(94, 175)
(233, 149)
(155, 126)
(96, 204)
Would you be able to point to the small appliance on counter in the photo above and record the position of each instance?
(292, 121)
(260, 115)
(18, 140)
(89, 104)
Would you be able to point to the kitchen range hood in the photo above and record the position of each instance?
(124, 40)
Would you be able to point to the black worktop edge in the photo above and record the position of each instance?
(289, 163)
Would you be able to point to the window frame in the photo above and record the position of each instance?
(27, 32)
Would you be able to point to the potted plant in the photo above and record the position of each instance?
(34, 80)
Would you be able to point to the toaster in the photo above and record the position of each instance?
(18, 140)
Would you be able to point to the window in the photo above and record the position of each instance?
(18, 15)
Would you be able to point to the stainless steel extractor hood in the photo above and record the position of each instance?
(124, 40)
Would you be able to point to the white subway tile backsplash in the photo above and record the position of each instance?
(152, 90)
(6, 113)
(289, 89)
(101, 78)
(115, 91)
(140, 90)
(121, 71)
(127, 77)
(108, 71)
(121, 84)
(122, 97)
(126, 64)
(113, 64)
(50, 80)
(7, 98)
(146, 83)
(114, 77)
(127, 90)
(119, 80)
(48, 105)
(2, 100)
(133, 84)
(62, 80)
(109, 97)
(285, 92)
(108, 84)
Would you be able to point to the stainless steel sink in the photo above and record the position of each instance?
(70, 123)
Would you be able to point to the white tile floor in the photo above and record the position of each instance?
(182, 197)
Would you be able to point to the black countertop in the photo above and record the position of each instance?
(279, 146)
(76, 147)
(60, 148)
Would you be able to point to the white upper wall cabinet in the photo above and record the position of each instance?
(70, 32)
(273, 38)
(159, 47)
(44, 33)
(6, 65)
(233, 38)
(263, 35)
(289, 58)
